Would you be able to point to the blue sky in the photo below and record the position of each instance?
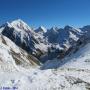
(46, 12)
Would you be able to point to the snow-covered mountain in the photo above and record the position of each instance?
(23, 36)
(41, 30)
(72, 73)
(11, 56)
(19, 32)
(41, 42)
(62, 41)
(65, 53)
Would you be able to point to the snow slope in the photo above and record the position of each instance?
(79, 59)
(11, 56)
(73, 75)
(47, 80)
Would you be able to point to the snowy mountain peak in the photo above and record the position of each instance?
(72, 29)
(86, 28)
(20, 25)
(67, 27)
(41, 29)
(54, 28)
(18, 21)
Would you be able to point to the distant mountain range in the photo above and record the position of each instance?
(45, 44)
